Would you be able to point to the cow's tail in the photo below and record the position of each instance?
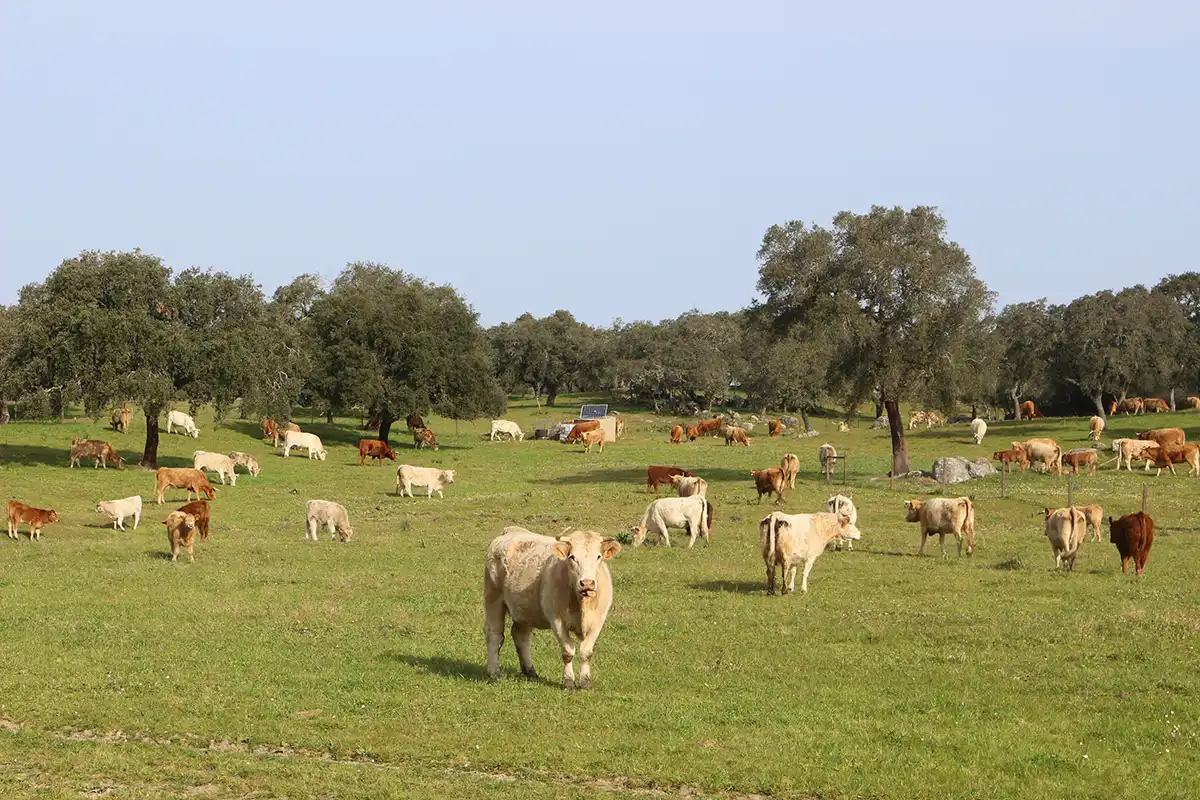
(708, 512)
(969, 525)
(771, 534)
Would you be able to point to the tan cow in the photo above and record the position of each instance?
(790, 465)
(1095, 518)
(191, 479)
(433, 479)
(1155, 404)
(735, 435)
(1045, 452)
(181, 531)
(693, 514)
(1129, 449)
(121, 418)
(1096, 425)
(330, 515)
(943, 515)
(827, 457)
(1165, 437)
(690, 485)
(844, 506)
(563, 585)
(1066, 529)
(423, 437)
(102, 452)
(677, 434)
(769, 481)
(37, 518)
(787, 540)
(1191, 402)
(215, 462)
(590, 438)
(774, 427)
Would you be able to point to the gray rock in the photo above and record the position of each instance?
(980, 468)
(790, 422)
(880, 422)
(959, 470)
(808, 435)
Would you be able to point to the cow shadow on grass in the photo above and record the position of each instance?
(442, 666)
(737, 587)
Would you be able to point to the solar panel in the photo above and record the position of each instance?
(594, 411)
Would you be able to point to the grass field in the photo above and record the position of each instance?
(280, 667)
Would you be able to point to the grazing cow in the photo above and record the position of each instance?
(1169, 456)
(1029, 410)
(787, 540)
(185, 423)
(689, 485)
(580, 428)
(191, 479)
(978, 430)
(331, 515)
(735, 435)
(843, 427)
(1130, 405)
(827, 457)
(309, 441)
(774, 427)
(1191, 402)
(1080, 457)
(620, 427)
(37, 518)
(101, 451)
(1066, 529)
(376, 449)
(790, 465)
(843, 506)
(1155, 404)
(181, 531)
(504, 426)
(767, 481)
(693, 433)
(942, 515)
(282, 429)
(1096, 426)
(1014, 456)
(916, 418)
(434, 480)
(1094, 516)
(118, 510)
(540, 582)
(268, 428)
(202, 511)
(1129, 449)
(657, 475)
(423, 437)
(1165, 437)
(692, 514)
(121, 418)
(593, 437)
(245, 460)
(1132, 534)
(709, 427)
(1043, 452)
(677, 434)
(414, 421)
(215, 462)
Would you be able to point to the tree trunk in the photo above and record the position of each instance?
(1098, 401)
(974, 412)
(899, 447)
(3, 412)
(385, 425)
(329, 416)
(1172, 398)
(1016, 398)
(150, 454)
(804, 418)
(551, 395)
(878, 409)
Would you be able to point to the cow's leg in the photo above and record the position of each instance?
(789, 572)
(568, 651)
(771, 576)
(522, 636)
(959, 537)
(663, 536)
(924, 536)
(586, 648)
(808, 565)
(493, 626)
(942, 543)
(137, 517)
(190, 543)
(692, 530)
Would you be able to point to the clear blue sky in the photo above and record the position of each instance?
(619, 159)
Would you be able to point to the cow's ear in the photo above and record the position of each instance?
(609, 548)
(843, 522)
(562, 549)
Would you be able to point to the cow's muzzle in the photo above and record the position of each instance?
(587, 588)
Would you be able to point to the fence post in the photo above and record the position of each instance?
(1145, 497)
(845, 461)
(1070, 493)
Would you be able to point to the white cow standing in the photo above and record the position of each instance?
(118, 510)
(540, 582)
(787, 540)
(692, 514)
(978, 430)
(178, 419)
(840, 504)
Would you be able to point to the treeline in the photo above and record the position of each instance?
(875, 309)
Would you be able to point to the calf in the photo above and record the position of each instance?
(118, 510)
(121, 418)
(1095, 427)
(580, 428)
(768, 481)
(687, 486)
(376, 449)
(657, 475)
(943, 515)
(561, 584)
(1066, 529)
(181, 531)
(102, 452)
(590, 438)
(790, 465)
(1015, 456)
(191, 479)
(215, 462)
(201, 510)
(268, 428)
(1080, 457)
(423, 437)
(249, 462)
(787, 540)
(434, 480)
(844, 506)
(692, 514)
(735, 435)
(329, 514)
(1094, 516)
(500, 427)
(774, 427)
(1132, 534)
(677, 434)
(827, 457)
(37, 518)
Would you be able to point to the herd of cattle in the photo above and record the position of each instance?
(563, 583)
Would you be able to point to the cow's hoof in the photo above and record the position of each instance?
(584, 685)
(568, 686)
(531, 674)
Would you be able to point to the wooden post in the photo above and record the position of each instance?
(1070, 493)
(845, 459)
(1145, 497)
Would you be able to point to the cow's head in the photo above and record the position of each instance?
(195, 433)
(639, 535)
(447, 476)
(344, 532)
(120, 462)
(321, 454)
(912, 510)
(846, 529)
(583, 552)
(389, 452)
(53, 516)
(209, 492)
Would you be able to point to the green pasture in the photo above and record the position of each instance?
(279, 667)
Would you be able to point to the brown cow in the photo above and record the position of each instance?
(268, 428)
(580, 428)
(1012, 457)
(376, 449)
(36, 517)
(774, 427)
(593, 437)
(734, 435)
(200, 510)
(103, 452)
(692, 433)
(1029, 410)
(1169, 456)
(1155, 404)
(657, 475)
(1130, 405)
(280, 431)
(1191, 402)
(414, 421)
(193, 480)
(1166, 437)
(1080, 457)
(768, 481)
(121, 418)
(181, 530)
(1132, 534)
(423, 437)
(1095, 517)
(709, 427)
(677, 434)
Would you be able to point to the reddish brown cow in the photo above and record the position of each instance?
(657, 475)
(1012, 457)
(1132, 534)
(1155, 404)
(769, 481)
(1029, 410)
(709, 427)
(580, 428)
(191, 479)
(1166, 437)
(1080, 458)
(677, 434)
(414, 421)
(200, 510)
(268, 428)
(1167, 457)
(692, 433)
(774, 427)
(36, 517)
(376, 449)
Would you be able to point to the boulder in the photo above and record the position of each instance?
(959, 470)
(880, 422)
(790, 422)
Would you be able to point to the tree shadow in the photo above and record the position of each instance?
(28, 455)
(162, 555)
(638, 475)
(443, 666)
(736, 587)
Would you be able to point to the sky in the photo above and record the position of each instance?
(618, 159)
